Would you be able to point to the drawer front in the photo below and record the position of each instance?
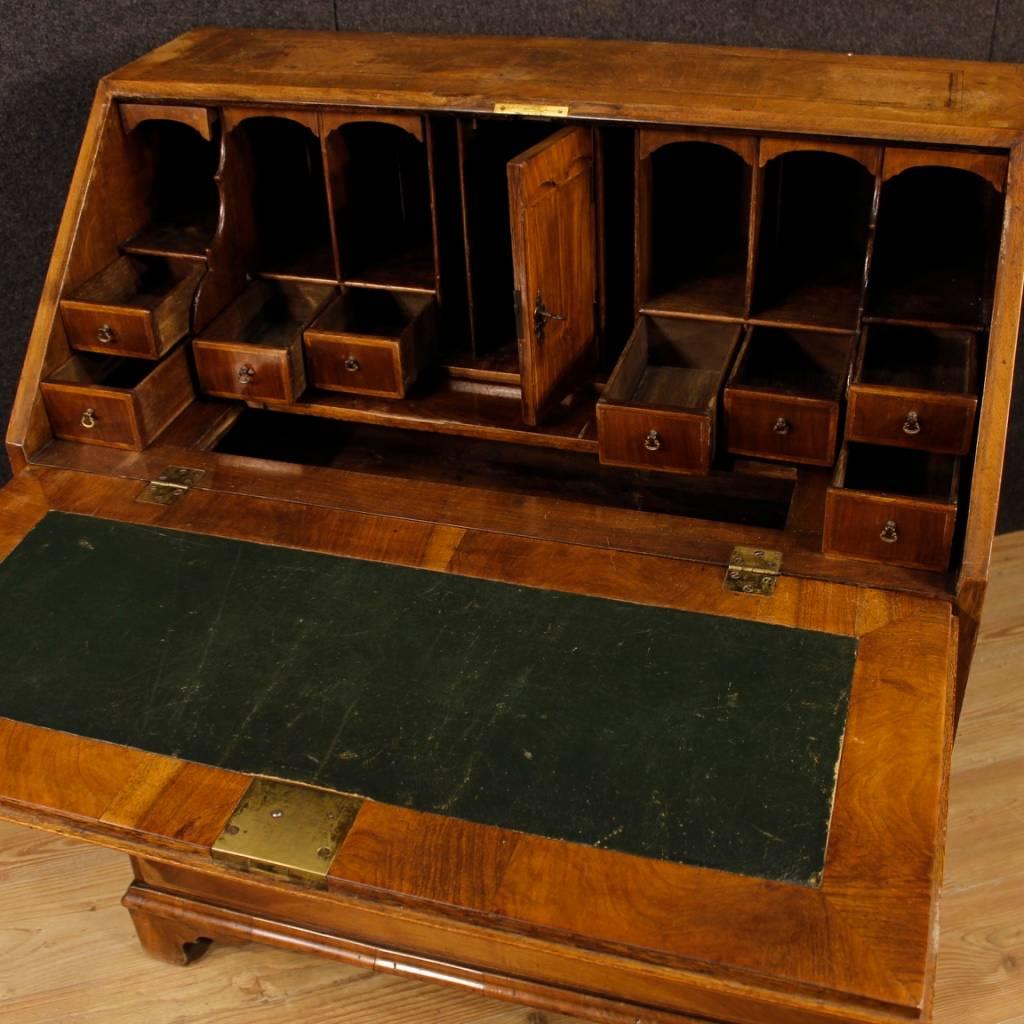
(778, 427)
(930, 423)
(340, 363)
(653, 439)
(883, 529)
(101, 329)
(92, 415)
(244, 371)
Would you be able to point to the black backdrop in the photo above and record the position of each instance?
(53, 51)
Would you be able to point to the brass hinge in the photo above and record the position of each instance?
(281, 828)
(169, 486)
(753, 571)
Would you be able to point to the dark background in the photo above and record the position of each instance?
(53, 51)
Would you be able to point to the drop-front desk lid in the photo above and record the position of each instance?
(594, 767)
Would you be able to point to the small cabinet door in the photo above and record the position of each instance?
(551, 198)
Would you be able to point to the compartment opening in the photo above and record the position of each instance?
(900, 471)
(814, 231)
(699, 221)
(936, 247)
(380, 188)
(183, 199)
(413, 455)
(288, 199)
(487, 146)
(918, 357)
(808, 363)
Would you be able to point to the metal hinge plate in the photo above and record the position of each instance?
(169, 486)
(753, 571)
(284, 829)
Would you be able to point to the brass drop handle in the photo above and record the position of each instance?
(889, 534)
(105, 334)
(652, 442)
(911, 425)
(781, 426)
(352, 364)
(246, 374)
(89, 419)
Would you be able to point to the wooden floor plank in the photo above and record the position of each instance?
(68, 952)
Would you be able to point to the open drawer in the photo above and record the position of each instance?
(660, 406)
(253, 350)
(915, 387)
(121, 403)
(893, 505)
(370, 341)
(783, 397)
(136, 306)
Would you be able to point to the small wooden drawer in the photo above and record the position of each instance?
(370, 341)
(782, 400)
(659, 408)
(136, 306)
(893, 505)
(121, 403)
(914, 387)
(253, 350)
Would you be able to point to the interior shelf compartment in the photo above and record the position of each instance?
(135, 306)
(380, 193)
(370, 341)
(277, 166)
(179, 156)
(118, 403)
(783, 396)
(253, 350)
(816, 202)
(660, 406)
(915, 387)
(694, 201)
(892, 505)
(937, 239)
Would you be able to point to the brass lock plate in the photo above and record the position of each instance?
(287, 830)
(753, 571)
(169, 486)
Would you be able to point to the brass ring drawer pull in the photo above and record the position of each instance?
(352, 364)
(889, 534)
(105, 334)
(781, 426)
(89, 419)
(652, 442)
(911, 425)
(246, 374)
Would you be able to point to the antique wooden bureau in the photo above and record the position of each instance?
(517, 512)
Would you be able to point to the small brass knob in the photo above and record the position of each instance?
(652, 442)
(246, 374)
(105, 334)
(889, 534)
(911, 425)
(89, 419)
(352, 364)
(781, 426)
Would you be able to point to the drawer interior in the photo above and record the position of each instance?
(269, 313)
(920, 358)
(374, 313)
(879, 469)
(805, 363)
(139, 282)
(88, 371)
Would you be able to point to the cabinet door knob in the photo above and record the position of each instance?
(781, 426)
(105, 334)
(652, 442)
(246, 374)
(889, 534)
(89, 419)
(352, 364)
(911, 425)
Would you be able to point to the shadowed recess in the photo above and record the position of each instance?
(672, 735)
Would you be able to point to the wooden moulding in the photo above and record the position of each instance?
(660, 407)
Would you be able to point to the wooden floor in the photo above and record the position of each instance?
(68, 953)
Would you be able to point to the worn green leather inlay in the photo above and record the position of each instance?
(685, 737)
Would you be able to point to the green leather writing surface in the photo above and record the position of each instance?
(685, 737)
